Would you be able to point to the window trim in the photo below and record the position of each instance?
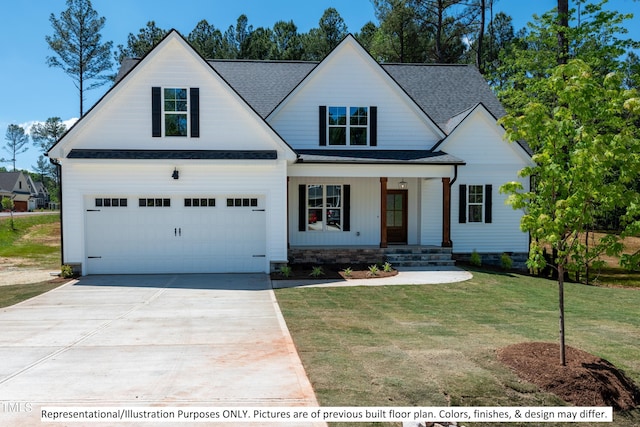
(324, 208)
(348, 126)
(470, 204)
(186, 113)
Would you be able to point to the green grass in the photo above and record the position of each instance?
(10, 295)
(435, 345)
(35, 240)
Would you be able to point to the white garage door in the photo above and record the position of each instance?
(199, 234)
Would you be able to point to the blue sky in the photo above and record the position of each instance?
(34, 92)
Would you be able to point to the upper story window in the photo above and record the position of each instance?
(175, 112)
(476, 203)
(348, 126)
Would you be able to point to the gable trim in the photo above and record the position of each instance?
(79, 153)
(291, 154)
(350, 37)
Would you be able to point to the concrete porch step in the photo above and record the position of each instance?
(419, 256)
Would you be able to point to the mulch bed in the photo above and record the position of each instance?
(586, 380)
(332, 271)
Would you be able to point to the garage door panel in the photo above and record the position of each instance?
(176, 239)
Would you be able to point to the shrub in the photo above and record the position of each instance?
(387, 267)
(285, 271)
(66, 271)
(476, 259)
(373, 270)
(506, 262)
(347, 272)
(316, 272)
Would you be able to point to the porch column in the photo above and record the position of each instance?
(446, 213)
(383, 212)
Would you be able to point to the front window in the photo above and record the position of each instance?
(348, 130)
(175, 112)
(476, 202)
(324, 207)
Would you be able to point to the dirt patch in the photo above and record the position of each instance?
(43, 234)
(333, 271)
(586, 380)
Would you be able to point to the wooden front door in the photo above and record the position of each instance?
(396, 217)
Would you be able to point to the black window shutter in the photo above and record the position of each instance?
(462, 211)
(487, 203)
(156, 111)
(302, 207)
(373, 126)
(195, 111)
(322, 123)
(346, 207)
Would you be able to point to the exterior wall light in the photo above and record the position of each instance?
(175, 174)
(402, 184)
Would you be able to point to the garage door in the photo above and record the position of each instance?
(195, 234)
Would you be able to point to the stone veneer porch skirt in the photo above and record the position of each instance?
(336, 255)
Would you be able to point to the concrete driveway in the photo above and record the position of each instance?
(167, 340)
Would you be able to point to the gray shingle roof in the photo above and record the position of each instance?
(442, 91)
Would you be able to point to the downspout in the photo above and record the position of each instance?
(455, 176)
(59, 169)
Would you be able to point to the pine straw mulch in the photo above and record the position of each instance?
(586, 380)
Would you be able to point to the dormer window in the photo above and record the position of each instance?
(175, 112)
(348, 126)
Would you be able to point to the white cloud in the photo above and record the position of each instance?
(27, 125)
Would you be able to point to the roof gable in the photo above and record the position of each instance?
(350, 73)
(476, 133)
(122, 117)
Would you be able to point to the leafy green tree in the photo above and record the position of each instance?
(207, 40)
(44, 135)
(319, 42)
(399, 38)
(366, 35)
(259, 44)
(586, 149)
(78, 46)
(287, 44)
(138, 45)
(16, 144)
(7, 205)
(528, 63)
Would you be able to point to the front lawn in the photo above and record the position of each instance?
(436, 345)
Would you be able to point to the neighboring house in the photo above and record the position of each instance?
(19, 187)
(188, 165)
(42, 196)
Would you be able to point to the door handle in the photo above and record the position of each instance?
(180, 232)
(175, 232)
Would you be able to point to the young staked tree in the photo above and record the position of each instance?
(587, 153)
(78, 46)
(16, 144)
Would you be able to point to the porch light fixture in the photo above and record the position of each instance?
(175, 174)
(402, 184)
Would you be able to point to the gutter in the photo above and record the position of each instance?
(58, 166)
